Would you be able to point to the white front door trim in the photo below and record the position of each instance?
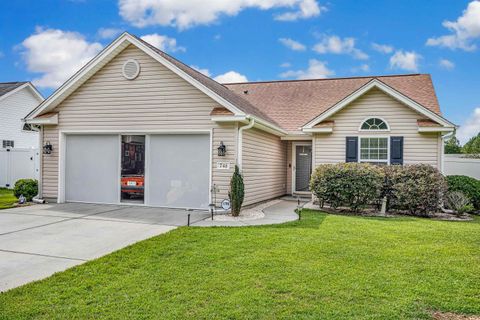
(294, 164)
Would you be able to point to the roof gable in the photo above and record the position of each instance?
(295, 103)
(210, 87)
(10, 88)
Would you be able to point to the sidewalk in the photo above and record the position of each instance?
(281, 212)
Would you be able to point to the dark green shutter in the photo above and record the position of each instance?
(352, 149)
(396, 150)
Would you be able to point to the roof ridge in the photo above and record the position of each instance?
(327, 79)
(13, 82)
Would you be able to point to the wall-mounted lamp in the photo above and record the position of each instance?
(222, 149)
(47, 148)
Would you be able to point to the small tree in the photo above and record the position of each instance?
(452, 146)
(237, 192)
(473, 145)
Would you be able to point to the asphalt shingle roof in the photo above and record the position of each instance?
(6, 87)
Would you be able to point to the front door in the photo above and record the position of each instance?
(302, 167)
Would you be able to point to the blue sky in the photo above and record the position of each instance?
(46, 41)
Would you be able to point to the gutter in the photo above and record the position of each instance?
(240, 140)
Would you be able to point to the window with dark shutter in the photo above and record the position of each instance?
(396, 150)
(352, 149)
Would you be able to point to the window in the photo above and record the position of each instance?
(374, 150)
(8, 143)
(375, 124)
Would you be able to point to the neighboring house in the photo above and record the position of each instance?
(16, 100)
(137, 125)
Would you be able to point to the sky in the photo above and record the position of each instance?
(253, 40)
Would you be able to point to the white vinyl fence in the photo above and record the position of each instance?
(454, 164)
(18, 163)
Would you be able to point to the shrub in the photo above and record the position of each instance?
(458, 202)
(26, 187)
(417, 188)
(468, 186)
(354, 185)
(237, 192)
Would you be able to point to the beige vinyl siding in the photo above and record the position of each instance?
(418, 147)
(157, 99)
(50, 163)
(264, 160)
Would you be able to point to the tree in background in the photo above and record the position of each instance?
(472, 146)
(452, 145)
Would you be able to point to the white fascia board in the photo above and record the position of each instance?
(267, 126)
(42, 121)
(229, 118)
(388, 90)
(296, 137)
(436, 129)
(105, 53)
(318, 130)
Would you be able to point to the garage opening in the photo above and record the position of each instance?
(132, 178)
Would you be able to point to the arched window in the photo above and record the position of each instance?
(375, 124)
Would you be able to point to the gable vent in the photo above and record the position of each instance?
(131, 69)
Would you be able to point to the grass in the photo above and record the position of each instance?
(7, 199)
(322, 267)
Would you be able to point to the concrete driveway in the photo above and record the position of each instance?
(39, 240)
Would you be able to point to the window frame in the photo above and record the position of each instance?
(373, 130)
(386, 161)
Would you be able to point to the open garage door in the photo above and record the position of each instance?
(92, 168)
(178, 170)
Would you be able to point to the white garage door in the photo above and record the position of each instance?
(92, 168)
(178, 170)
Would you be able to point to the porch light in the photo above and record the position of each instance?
(47, 148)
(222, 149)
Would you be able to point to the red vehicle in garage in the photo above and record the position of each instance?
(133, 166)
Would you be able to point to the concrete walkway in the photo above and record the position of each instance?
(281, 212)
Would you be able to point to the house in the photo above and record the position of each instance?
(16, 100)
(135, 125)
(19, 141)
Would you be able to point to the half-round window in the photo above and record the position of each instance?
(374, 124)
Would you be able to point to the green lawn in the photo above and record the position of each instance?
(323, 267)
(7, 199)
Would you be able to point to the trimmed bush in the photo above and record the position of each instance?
(468, 186)
(237, 192)
(26, 187)
(354, 185)
(417, 188)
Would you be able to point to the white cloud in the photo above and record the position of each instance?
(361, 68)
(446, 64)
(337, 45)
(306, 9)
(230, 77)
(292, 44)
(383, 48)
(470, 127)
(56, 54)
(463, 31)
(163, 43)
(286, 65)
(205, 71)
(108, 33)
(316, 70)
(407, 60)
(188, 13)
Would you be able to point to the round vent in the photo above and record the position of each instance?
(131, 69)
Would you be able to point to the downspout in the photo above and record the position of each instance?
(442, 151)
(240, 141)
